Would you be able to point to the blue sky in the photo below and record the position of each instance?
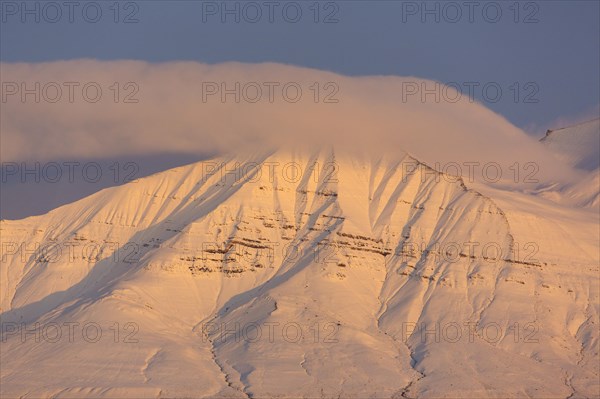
(543, 55)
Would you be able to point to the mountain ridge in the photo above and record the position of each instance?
(354, 251)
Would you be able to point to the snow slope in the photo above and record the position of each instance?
(579, 145)
(297, 273)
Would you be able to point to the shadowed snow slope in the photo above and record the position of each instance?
(302, 274)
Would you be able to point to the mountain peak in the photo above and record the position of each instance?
(357, 254)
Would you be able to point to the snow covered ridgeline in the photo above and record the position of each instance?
(360, 247)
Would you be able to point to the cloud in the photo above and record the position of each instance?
(563, 121)
(180, 108)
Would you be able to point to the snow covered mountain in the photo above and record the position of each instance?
(302, 274)
(579, 145)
